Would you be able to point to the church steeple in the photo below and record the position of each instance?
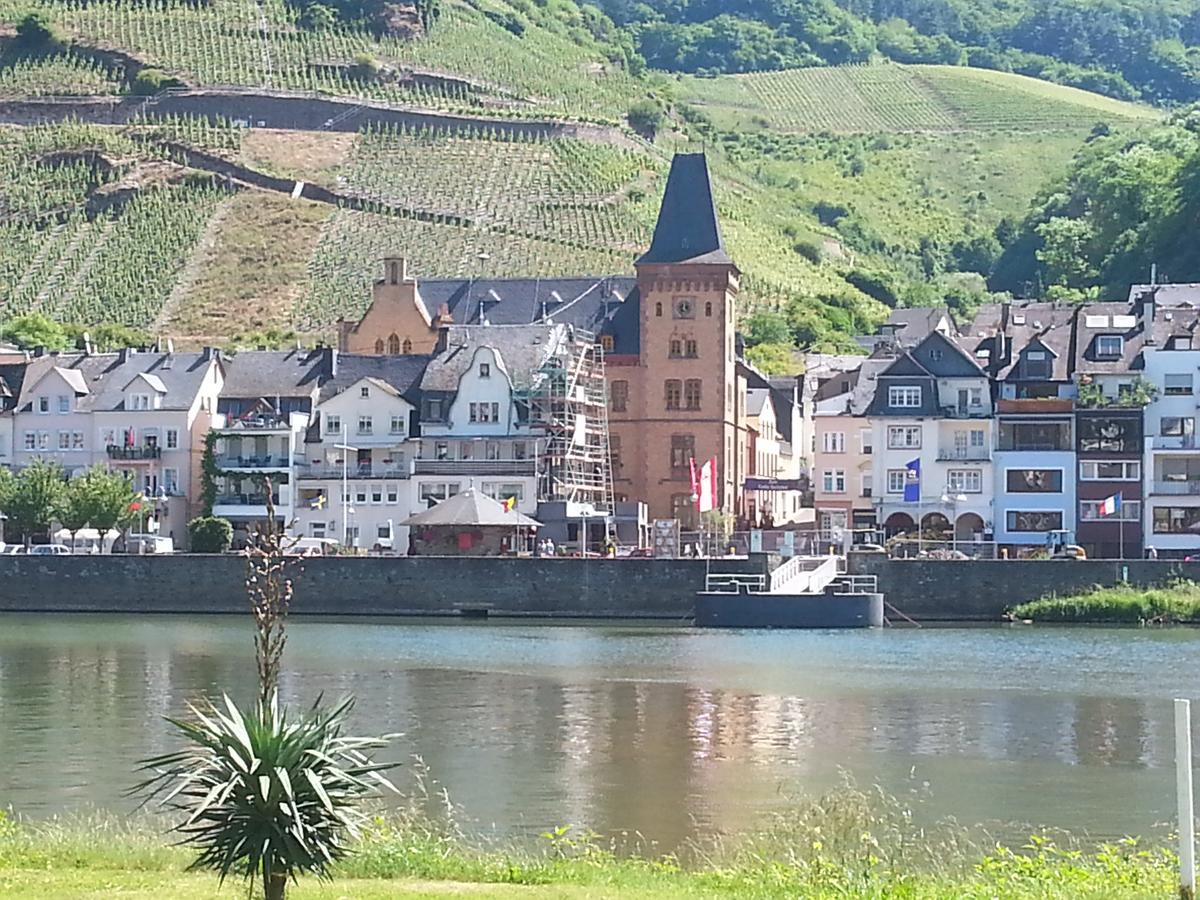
(687, 230)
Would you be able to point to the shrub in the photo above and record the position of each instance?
(366, 67)
(210, 534)
(645, 117)
(318, 17)
(36, 29)
(808, 250)
(151, 81)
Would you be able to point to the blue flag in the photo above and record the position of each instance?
(912, 481)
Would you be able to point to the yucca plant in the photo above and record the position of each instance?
(262, 795)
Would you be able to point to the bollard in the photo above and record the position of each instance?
(1183, 793)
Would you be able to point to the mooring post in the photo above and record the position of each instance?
(1183, 793)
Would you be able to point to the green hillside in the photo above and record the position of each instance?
(893, 98)
(841, 190)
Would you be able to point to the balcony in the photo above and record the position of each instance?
(964, 454)
(1190, 487)
(475, 466)
(253, 463)
(1036, 405)
(257, 424)
(147, 452)
(1175, 442)
(398, 470)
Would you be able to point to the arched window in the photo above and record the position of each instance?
(708, 309)
(407, 348)
(379, 346)
(394, 345)
(658, 309)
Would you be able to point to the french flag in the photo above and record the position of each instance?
(1111, 505)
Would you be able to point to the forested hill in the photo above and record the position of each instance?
(1149, 49)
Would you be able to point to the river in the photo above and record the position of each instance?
(656, 730)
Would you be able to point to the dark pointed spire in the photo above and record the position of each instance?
(687, 229)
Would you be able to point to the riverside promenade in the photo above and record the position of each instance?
(662, 589)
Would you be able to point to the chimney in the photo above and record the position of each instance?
(124, 353)
(88, 348)
(443, 338)
(39, 351)
(329, 360)
(209, 353)
(170, 345)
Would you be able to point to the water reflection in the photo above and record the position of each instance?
(656, 731)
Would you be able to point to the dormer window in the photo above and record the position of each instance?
(139, 401)
(1110, 345)
(904, 396)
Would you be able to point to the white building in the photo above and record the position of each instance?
(932, 414)
(1172, 457)
(143, 413)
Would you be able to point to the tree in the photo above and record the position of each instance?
(645, 117)
(37, 30)
(210, 534)
(102, 499)
(35, 499)
(35, 330)
(767, 326)
(6, 489)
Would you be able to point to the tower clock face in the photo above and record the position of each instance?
(685, 308)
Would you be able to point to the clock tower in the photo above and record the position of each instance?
(688, 404)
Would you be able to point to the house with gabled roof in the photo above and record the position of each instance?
(931, 420)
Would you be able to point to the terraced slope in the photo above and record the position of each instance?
(258, 43)
(891, 98)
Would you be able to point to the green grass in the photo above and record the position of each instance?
(892, 99)
(1124, 604)
(847, 844)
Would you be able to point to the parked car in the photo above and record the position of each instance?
(148, 543)
(14, 549)
(50, 550)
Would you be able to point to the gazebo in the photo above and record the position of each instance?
(467, 524)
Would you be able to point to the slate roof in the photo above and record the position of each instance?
(868, 380)
(470, 508)
(687, 230)
(756, 400)
(402, 373)
(1182, 294)
(12, 375)
(914, 324)
(105, 377)
(524, 349)
(1051, 324)
(602, 304)
(1126, 324)
(250, 374)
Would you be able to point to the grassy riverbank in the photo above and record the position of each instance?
(1119, 604)
(849, 844)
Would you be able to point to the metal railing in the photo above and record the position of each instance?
(1174, 442)
(115, 451)
(855, 584)
(734, 583)
(968, 454)
(253, 462)
(315, 472)
(1188, 486)
(475, 466)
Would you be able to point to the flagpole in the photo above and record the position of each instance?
(1121, 523)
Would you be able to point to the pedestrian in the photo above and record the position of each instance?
(1152, 553)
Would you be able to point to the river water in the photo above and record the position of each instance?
(655, 730)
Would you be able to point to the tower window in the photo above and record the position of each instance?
(393, 347)
(708, 309)
(658, 309)
(379, 346)
(676, 348)
(407, 347)
(691, 393)
(674, 393)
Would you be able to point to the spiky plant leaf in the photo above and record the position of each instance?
(263, 795)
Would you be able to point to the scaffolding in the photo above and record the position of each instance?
(569, 405)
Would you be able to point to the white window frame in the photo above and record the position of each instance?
(1134, 505)
(898, 437)
(833, 481)
(172, 438)
(904, 396)
(1103, 339)
(43, 405)
(866, 441)
(1089, 469)
(965, 481)
(398, 424)
(896, 480)
(64, 403)
(333, 423)
(31, 440)
(64, 440)
(366, 425)
(866, 485)
(834, 441)
(1182, 386)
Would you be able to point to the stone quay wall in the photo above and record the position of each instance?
(981, 590)
(381, 586)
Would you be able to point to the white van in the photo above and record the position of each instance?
(148, 543)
